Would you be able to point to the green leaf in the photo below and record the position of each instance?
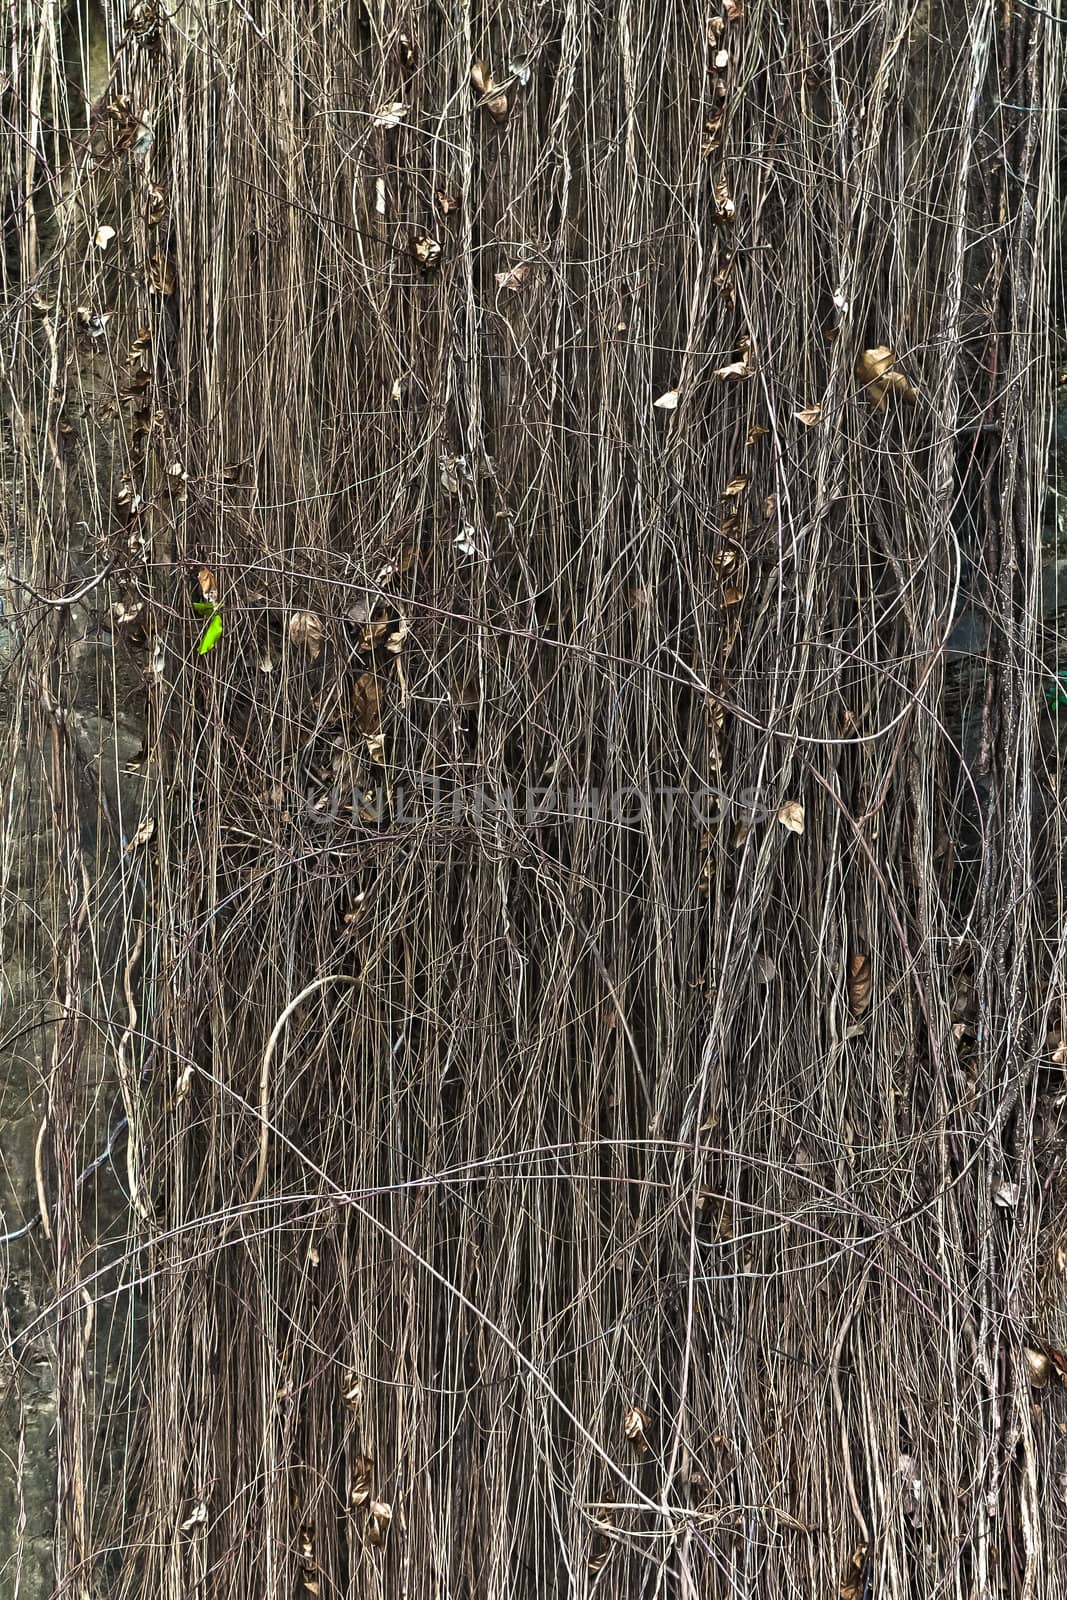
(212, 635)
(203, 608)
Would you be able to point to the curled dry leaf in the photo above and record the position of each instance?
(391, 114)
(104, 236)
(1006, 1195)
(634, 1423)
(381, 1514)
(875, 371)
(1059, 1055)
(209, 589)
(362, 1477)
(859, 982)
(513, 277)
(160, 276)
(791, 816)
(668, 401)
(306, 630)
(156, 209)
(733, 373)
(724, 206)
(426, 250)
(601, 1547)
(735, 487)
(811, 416)
(756, 431)
(352, 1391)
(1038, 1367)
(366, 703)
(126, 612)
(446, 203)
(732, 10)
(853, 1583)
(494, 99)
(145, 833)
(709, 144)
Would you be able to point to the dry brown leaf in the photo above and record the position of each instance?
(757, 431)
(791, 816)
(208, 587)
(103, 237)
(735, 487)
(668, 401)
(723, 203)
(810, 416)
(352, 1391)
(897, 383)
(156, 209)
(722, 60)
(634, 1423)
(381, 1514)
(426, 250)
(859, 982)
(1059, 1055)
(446, 203)
(708, 146)
(733, 373)
(160, 276)
(732, 10)
(853, 1583)
(145, 833)
(732, 596)
(367, 703)
(513, 277)
(391, 114)
(306, 630)
(362, 1476)
(874, 369)
(770, 506)
(1038, 1367)
(495, 100)
(873, 363)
